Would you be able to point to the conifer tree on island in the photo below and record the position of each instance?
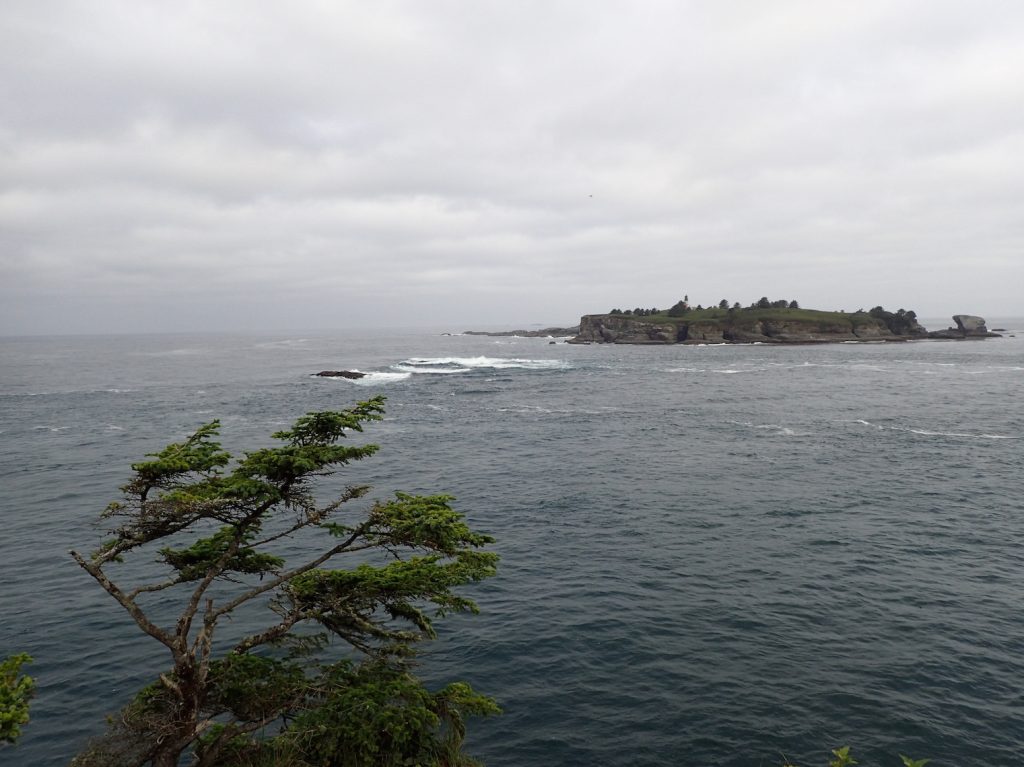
(326, 679)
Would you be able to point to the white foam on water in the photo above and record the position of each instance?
(776, 428)
(428, 371)
(960, 435)
(424, 364)
(862, 422)
(930, 433)
(375, 378)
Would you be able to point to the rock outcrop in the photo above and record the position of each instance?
(620, 329)
(967, 326)
(353, 374)
(625, 329)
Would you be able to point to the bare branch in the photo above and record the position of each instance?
(154, 587)
(128, 604)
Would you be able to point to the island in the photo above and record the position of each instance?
(776, 322)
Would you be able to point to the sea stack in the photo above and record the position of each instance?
(967, 326)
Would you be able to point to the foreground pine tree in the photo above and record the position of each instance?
(326, 677)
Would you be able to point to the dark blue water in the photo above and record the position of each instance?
(711, 555)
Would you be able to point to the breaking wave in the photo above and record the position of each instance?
(466, 364)
(406, 369)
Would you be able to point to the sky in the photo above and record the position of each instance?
(239, 165)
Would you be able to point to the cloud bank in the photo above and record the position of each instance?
(332, 164)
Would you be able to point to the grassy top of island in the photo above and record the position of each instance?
(900, 322)
(763, 321)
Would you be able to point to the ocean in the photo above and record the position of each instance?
(711, 555)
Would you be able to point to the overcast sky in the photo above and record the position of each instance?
(322, 164)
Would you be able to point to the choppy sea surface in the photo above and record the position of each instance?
(711, 555)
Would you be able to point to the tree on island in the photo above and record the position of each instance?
(679, 308)
(900, 322)
(326, 678)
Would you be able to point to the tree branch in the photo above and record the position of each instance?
(128, 604)
(272, 633)
(154, 587)
(290, 574)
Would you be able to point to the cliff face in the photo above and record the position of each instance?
(624, 329)
(619, 329)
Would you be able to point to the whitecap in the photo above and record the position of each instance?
(429, 371)
(779, 429)
(961, 435)
(376, 378)
(423, 364)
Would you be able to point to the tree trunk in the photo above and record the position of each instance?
(168, 756)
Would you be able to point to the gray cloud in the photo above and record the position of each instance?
(227, 164)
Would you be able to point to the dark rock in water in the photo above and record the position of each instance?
(340, 374)
(967, 326)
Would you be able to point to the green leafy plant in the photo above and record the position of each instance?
(16, 690)
(328, 677)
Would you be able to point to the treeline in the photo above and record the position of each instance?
(900, 322)
(683, 306)
(638, 312)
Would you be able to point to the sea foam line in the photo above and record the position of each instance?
(929, 433)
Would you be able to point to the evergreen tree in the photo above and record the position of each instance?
(326, 679)
(15, 692)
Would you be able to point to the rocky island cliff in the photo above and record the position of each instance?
(766, 325)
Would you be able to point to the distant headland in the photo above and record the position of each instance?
(764, 321)
(544, 333)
